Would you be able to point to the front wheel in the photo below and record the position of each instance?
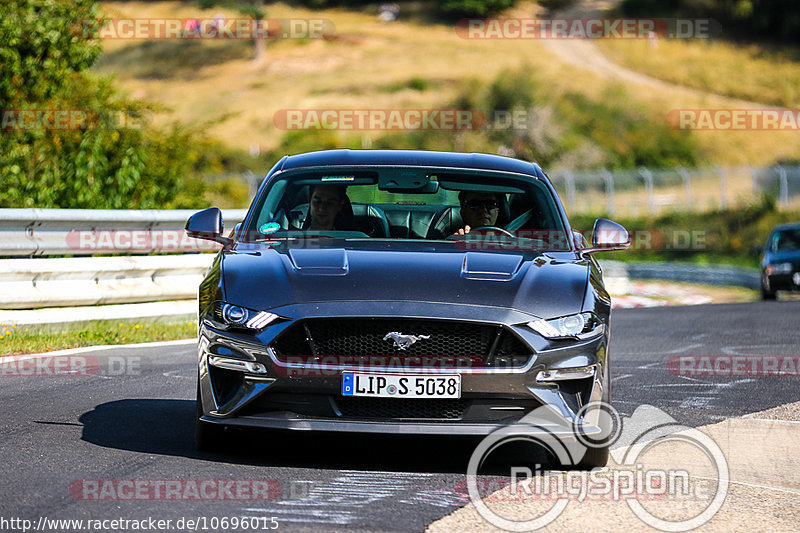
(594, 458)
(208, 437)
(766, 292)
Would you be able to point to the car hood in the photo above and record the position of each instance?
(792, 256)
(543, 284)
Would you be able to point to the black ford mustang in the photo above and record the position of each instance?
(402, 291)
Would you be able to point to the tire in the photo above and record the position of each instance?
(766, 293)
(594, 458)
(208, 437)
(598, 457)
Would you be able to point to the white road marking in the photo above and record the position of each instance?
(174, 374)
(705, 401)
(750, 348)
(680, 385)
(667, 352)
(326, 501)
(749, 484)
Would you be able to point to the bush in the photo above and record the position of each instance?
(729, 236)
(775, 20)
(568, 130)
(106, 164)
(474, 8)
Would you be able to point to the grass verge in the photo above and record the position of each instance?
(15, 340)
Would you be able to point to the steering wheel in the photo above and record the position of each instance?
(487, 229)
(483, 230)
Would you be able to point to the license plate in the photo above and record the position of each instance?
(401, 385)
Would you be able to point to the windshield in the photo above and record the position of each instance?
(408, 204)
(786, 240)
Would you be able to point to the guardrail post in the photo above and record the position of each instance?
(754, 177)
(569, 181)
(645, 173)
(723, 196)
(687, 186)
(608, 177)
(784, 186)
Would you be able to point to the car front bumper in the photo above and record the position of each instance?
(307, 397)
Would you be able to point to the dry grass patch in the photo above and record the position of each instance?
(217, 86)
(769, 76)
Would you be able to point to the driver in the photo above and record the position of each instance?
(324, 204)
(478, 209)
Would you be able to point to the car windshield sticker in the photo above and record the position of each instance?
(269, 227)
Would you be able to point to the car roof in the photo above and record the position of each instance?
(786, 225)
(415, 158)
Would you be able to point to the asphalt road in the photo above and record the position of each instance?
(133, 420)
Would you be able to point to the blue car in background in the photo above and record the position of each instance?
(780, 267)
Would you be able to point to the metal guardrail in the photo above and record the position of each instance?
(79, 281)
(652, 191)
(32, 232)
(691, 273)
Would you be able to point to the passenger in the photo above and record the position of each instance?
(478, 209)
(325, 204)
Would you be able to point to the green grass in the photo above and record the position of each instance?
(20, 339)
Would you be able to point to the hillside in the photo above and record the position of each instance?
(408, 64)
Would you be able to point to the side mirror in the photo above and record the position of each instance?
(207, 224)
(580, 240)
(607, 236)
(758, 249)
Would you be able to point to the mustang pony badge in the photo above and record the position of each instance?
(401, 342)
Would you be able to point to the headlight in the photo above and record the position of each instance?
(779, 268)
(580, 326)
(242, 317)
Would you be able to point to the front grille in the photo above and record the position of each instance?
(401, 408)
(364, 338)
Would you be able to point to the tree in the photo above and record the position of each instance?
(103, 154)
(251, 8)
